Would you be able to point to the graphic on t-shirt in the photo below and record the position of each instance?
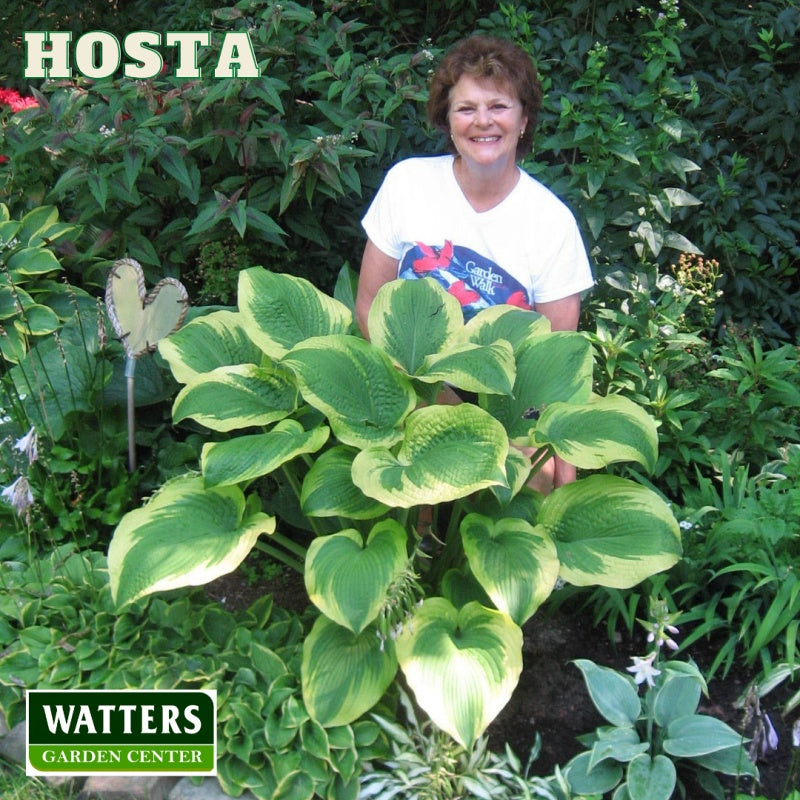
(474, 280)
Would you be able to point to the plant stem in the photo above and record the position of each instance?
(280, 555)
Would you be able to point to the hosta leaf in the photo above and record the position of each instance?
(651, 779)
(515, 563)
(186, 535)
(348, 580)
(410, 320)
(475, 368)
(207, 342)
(280, 310)
(31, 261)
(698, 735)
(603, 431)
(37, 320)
(462, 665)
(344, 674)
(448, 452)
(552, 368)
(598, 780)
(513, 324)
(518, 470)
(328, 489)
(613, 694)
(248, 457)
(240, 396)
(610, 531)
(356, 386)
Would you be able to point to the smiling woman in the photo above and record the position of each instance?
(472, 220)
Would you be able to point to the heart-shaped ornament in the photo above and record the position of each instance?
(141, 320)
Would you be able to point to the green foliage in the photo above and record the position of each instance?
(59, 629)
(424, 764)
(293, 397)
(650, 743)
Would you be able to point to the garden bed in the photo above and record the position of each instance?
(551, 698)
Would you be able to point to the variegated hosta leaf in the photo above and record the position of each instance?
(356, 386)
(610, 531)
(410, 320)
(515, 563)
(348, 580)
(603, 431)
(475, 368)
(552, 368)
(462, 665)
(281, 310)
(518, 470)
(186, 535)
(248, 457)
(513, 324)
(329, 491)
(202, 345)
(448, 452)
(344, 674)
(229, 398)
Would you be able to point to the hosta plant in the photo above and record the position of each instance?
(295, 399)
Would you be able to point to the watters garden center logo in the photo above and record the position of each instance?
(126, 732)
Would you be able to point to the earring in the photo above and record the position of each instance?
(522, 133)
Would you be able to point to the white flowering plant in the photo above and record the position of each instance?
(655, 743)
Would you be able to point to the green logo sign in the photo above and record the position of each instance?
(126, 732)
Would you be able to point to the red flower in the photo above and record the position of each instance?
(463, 293)
(434, 258)
(15, 101)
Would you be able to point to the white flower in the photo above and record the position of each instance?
(18, 495)
(643, 669)
(28, 445)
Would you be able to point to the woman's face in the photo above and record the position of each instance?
(485, 122)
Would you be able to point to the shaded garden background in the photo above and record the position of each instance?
(671, 130)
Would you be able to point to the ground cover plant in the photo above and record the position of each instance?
(669, 128)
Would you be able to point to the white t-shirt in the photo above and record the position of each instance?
(526, 250)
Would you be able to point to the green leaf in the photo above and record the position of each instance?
(30, 261)
(37, 320)
(651, 779)
(447, 452)
(410, 320)
(475, 368)
(598, 780)
(295, 785)
(613, 694)
(328, 489)
(348, 580)
(508, 323)
(617, 743)
(514, 562)
(280, 311)
(677, 696)
(538, 383)
(186, 535)
(698, 735)
(241, 396)
(603, 431)
(610, 531)
(355, 385)
(247, 457)
(728, 761)
(462, 665)
(344, 675)
(214, 340)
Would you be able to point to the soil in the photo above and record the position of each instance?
(551, 699)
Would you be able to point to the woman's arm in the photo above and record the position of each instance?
(376, 269)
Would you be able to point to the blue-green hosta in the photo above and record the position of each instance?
(291, 390)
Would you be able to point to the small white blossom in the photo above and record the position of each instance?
(104, 130)
(643, 669)
(19, 495)
(685, 525)
(28, 445)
